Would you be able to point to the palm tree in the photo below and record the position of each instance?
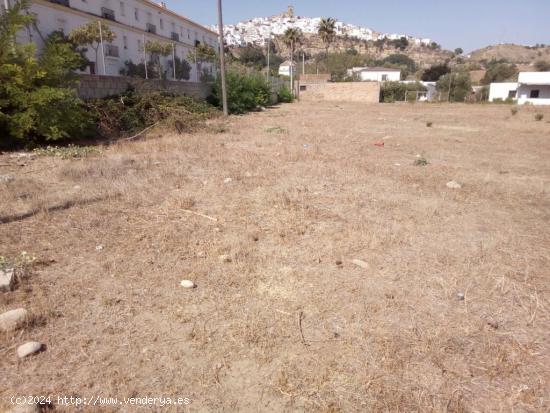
(326, 31)
(292, 37)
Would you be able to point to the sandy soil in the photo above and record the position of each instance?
(291, 323)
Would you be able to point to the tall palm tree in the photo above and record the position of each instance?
(326, 31)
(292, 37)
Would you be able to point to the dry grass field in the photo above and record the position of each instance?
(287, 322)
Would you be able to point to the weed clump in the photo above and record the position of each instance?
(429, 124)
(539, 117)
(514, 111)
(67, 152)
(421, 162)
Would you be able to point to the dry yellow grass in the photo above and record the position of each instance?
(290, 324)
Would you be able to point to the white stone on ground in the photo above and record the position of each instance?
(7, 279)
(28, 349)
(227, 180)
(361, 263)
(225, 258)
(187, 284)
(453, 185)
(13, 319)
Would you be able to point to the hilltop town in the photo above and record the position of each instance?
(257, 30)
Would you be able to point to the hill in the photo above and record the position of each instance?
(512, 53)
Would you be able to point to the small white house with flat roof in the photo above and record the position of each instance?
(531, 88)
(534, 88)
(285, 68)
(376, 74)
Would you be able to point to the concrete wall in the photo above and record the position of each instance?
(501, 90)
(132, 17)
(94, 87)
(364, 92)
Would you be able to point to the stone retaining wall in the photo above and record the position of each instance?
(365, 92)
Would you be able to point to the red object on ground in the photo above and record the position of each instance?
(379, 143)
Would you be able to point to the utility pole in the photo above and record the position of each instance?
(145, 58)
(303, 63)
(102, 48)
(291, 67)
(222, 59)
(268, 48)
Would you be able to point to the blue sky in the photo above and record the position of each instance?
(469, 24)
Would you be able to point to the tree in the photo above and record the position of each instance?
(183, 69)
(542, 66)
(35, 93)
(457, 85)
(91, 35)
(157, 50)
(202, 53)
(253, 56)
(402, 43)
(326, 31)
(435, 72)
(458, 51)
(291, 38)
(499, 72)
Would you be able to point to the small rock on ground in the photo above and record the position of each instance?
(460, 296)
(453, 185)
(7, 279)
(29, 348)
(6, 178)
(187, 284)
(12, 320)
(227, 180)
(225, 258)
(361, 263)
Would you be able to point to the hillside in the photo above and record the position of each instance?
(512, 53)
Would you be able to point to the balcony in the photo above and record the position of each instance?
(108, 14)
(151, 28)
(111, 50)
(175, 37)
(62, 2)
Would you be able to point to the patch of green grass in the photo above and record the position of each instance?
(276, 129)
(68, 152)
(421, 162)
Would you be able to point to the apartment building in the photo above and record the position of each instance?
(133, 21)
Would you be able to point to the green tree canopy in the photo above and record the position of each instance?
(326, 31)
(91, 34)
(457, 85)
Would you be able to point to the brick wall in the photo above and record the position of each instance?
(366, 92)
(95, 87)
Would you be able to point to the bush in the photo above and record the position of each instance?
(131, 113)
(37, 99)
(435, 72)
(396, 91)
(499, 72)
(245, 92)
(514, 111)
(458, 85)
(285, 95)
(539, 117)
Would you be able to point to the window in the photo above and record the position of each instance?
(136, 14)
(535, 94)
(125, 42)
(122, 9)
(140, 47)
(161, 24)
(384, 78)
(512, 94)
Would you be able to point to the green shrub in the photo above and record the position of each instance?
(396, 91)
(285, 95)
(245, 92)
(37, 97)
(459, 85)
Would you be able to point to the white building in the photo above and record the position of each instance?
(531, 88)
(133, 21)
(376, 74)
(502, 91)
(534, 88)
(284, 68)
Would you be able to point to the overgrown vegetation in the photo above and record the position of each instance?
(67, 152)
(499, 71)
(397, 92)
(131, 113)
(457, 86)
(539, 117)
(36, 93)
(245, 92)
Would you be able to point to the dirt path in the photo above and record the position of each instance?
(291, 324)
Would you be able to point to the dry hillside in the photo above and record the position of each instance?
(512, 53)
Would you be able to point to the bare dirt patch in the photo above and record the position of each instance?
(290, 323)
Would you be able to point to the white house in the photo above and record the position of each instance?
(133, 21)
(532, 88)
(502, 91)
(376, 74)
(284, 68)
